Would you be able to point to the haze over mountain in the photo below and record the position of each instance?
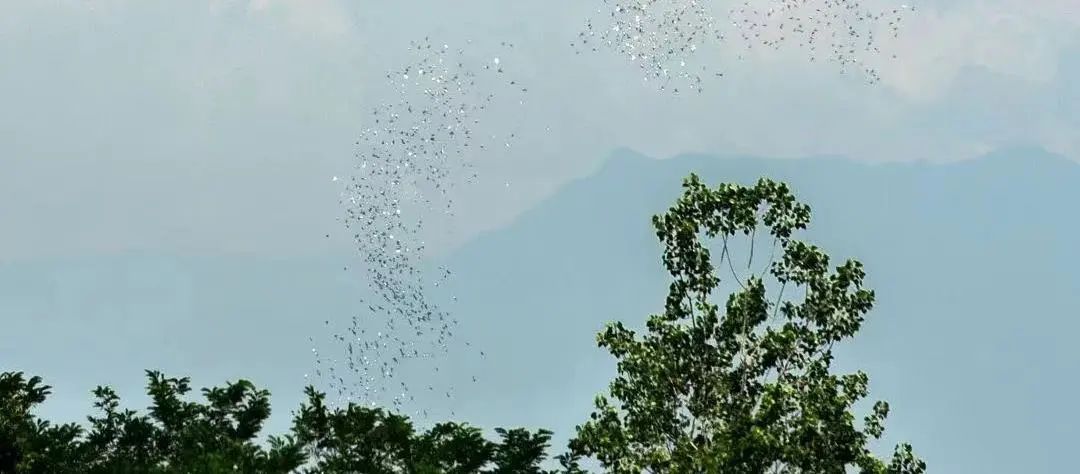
(974, 264)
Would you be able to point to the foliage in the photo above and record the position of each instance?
(219, 435)
(747, 388)
(26, 443)
(370, 440)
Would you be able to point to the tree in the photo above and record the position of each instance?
(28, 444)
(176, 435)
(373, 441)
(746, 388)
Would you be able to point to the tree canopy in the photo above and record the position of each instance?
(219, 435)
(745, 387)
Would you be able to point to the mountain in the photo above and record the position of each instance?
(971, 340)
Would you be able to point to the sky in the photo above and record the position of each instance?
(208, 131)
(215, 126)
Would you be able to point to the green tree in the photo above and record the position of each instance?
(373, 441)
(28, 444)
(745, 388)
(176, 435)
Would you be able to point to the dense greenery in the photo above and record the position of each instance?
(747, 388)
(743, 388)
(218, 435)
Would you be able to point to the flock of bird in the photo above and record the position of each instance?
(408, 160)
(665, 37)
(416, 148)
(662, 37)
(842, 31)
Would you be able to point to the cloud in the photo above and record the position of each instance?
(323, 18)
(1014, 38)
(326, 19)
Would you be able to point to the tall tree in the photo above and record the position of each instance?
(747, 387)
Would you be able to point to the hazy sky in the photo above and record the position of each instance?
(213, 126)
(197, 130)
